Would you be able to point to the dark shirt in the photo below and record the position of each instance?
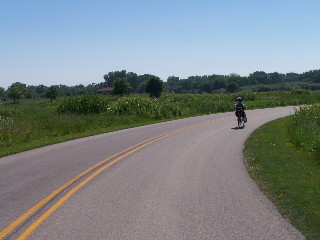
(240, 105)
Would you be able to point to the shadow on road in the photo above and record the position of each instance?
(236, 128)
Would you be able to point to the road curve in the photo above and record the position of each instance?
(191, 184)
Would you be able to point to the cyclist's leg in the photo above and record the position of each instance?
(245, 117)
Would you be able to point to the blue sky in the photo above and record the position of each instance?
(78, 41)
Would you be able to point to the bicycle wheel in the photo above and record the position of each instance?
(242, 122)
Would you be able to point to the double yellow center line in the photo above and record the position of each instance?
(116, 157)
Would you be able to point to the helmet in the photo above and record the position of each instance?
(239, 99)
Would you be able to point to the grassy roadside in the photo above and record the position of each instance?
(33, 125)
(290, 177)
(45, 141)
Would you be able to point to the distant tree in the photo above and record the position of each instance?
(121, 87)
(206, 87)
(79, 89)
(142, 87)
(2, 93)
(16, 91)
(133, 80)
(275, 77)
(143, 79)
(234, 77)
(30, 94)
(41, 90)
(259, 77)
(232, 87)
(154, 87)
(219, 83)
(292, 77)
(187, 84)
(112, 76)
(52, 93)
(177, 89)
(172, 83)
(311, 76)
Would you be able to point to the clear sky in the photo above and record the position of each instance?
(78, 41)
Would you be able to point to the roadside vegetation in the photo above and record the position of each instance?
(284, 158)
(35, 123)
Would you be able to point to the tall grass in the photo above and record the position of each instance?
(304, 130)
(87, 104)
(150, 108)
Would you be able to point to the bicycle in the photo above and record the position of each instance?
(240, 118)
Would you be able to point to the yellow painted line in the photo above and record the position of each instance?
(41, 219)
(27, 214)
(32, 210)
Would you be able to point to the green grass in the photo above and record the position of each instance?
(36, 123)
(289, 176)
(305, 130)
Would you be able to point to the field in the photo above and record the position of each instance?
(36, 123)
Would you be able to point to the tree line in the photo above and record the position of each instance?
(130, 82)
(120, 82)
(258, 81)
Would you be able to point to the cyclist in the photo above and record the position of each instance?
(240, 107)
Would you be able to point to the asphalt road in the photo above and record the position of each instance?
(191, 184)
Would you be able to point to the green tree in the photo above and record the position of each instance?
(187, 84)
(219, 83)
(2, 93)
(259, 77)
(133, 80)
(172, 83)
(275, 77)
(16, 91)
(121, 87)
(206, 87)
(143, 79)
(111, 77)
(232, 87)
(234, 77)
(52, 93)
(41, 90)
(313, 75)
(154, 87)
